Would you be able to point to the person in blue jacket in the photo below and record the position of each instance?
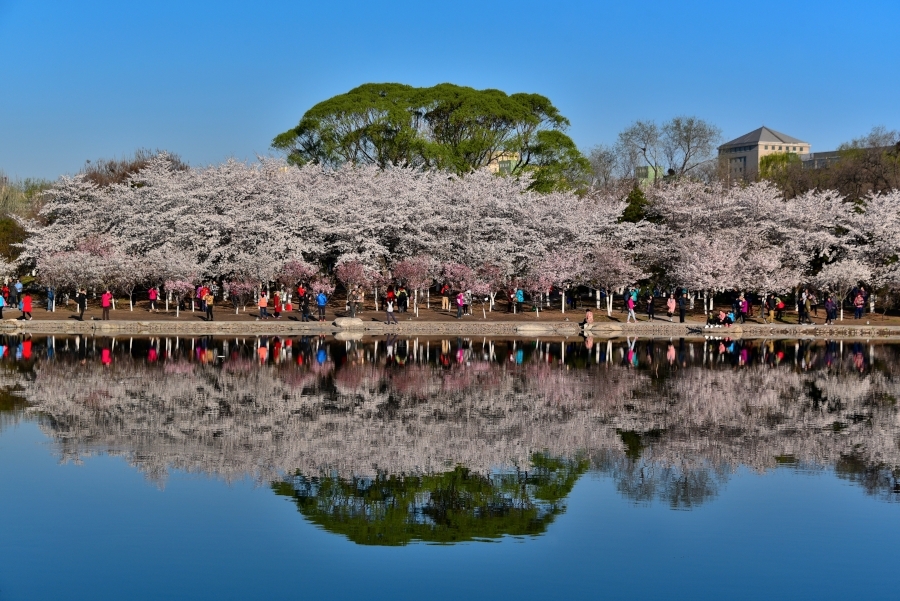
(321, 301)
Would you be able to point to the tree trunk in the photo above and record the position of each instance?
(597, 294)
(562, 297)
(492, 295)
(609, 304)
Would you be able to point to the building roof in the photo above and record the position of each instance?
(763, 134)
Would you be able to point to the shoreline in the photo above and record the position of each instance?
(355, 328)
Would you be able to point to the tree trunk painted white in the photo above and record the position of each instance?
(428, 298)
(872, 303)
(691, 297)
(562, 297)
(597, 295)
(375, 296)
(114, 303)
(177, 307)
(168, 295)
(483, 314)
(131, 301)
(609, 304)
(492, 295)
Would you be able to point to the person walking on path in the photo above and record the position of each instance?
(631, 315)
(460, 302)
(650, 307)
(105, 304)
(389, 310)
(670, 306)
(153, 296)
(81, 302)
(26, 306)
(321, 301)
(208, 302)
(682, 307)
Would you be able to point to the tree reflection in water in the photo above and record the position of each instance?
(388, 421)
(446, 507)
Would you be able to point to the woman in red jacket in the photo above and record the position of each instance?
(26, 306)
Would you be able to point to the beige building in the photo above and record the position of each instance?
(741, 156)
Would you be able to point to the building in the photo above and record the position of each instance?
(503, 162)
(647, 176)
(741, 156)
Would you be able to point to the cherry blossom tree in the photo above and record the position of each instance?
(841, 277)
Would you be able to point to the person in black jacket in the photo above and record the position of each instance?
(81, 302)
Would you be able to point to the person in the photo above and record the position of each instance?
(402, 299)
(352, 301)
(520, 298)
(630, 302)
(682, 307)
(743, 308)
(670, 306)
(779, 308)
(304, 307)
(276, 305)
(51, 298)
(511, 308)
(445, 297)
(5, 292)
(26, 306)
(801, 309)
(460, 301)
(18, 288)
(770, 307)
(105, 304)
(467, 308)
(153, 295)
(263, 305)
(588, 322)
(814, 303)
(321, 301)
(859, 304)
(830, 310)
(81, 301)
(650, 307)
(208, 303)
(2, 304)
(389, 310)
(807, 308)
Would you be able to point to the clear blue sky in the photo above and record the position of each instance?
(212, 80)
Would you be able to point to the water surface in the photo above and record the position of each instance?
(400, 468)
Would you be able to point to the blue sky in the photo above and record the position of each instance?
(212, 80)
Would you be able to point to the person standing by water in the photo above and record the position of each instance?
(650, 306)
(304, 307)
(670, 306)
(2, 304)
(263, 305)
(321, 301)
(81, 302)
(389, 310)
(830, 310)
(588, 320)
(445, 297)
(460, 302)
(105, 304)
(682, 307)
(208, 303)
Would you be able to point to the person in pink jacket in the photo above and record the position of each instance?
(106, 303)
(670, 306)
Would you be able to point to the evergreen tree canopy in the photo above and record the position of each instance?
(448, 127)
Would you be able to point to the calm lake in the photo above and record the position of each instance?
(464, 468)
